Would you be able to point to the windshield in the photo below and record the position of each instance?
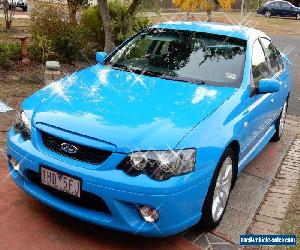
(199, 58)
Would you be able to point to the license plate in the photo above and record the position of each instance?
(61, 182)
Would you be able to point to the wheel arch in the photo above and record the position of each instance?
(235, 146)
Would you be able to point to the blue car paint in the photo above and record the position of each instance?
(269, 86)
(120, 105)
(151, 114)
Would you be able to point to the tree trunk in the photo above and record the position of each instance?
(132, 10)
(72, 7)
(8, 13)
(8, 24)
(209, 10)
(134, 7)
(106, 20)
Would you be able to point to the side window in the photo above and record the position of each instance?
(285, 5)
(259, 63)
(273, 55)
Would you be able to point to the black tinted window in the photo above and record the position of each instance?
(259, 63)
(286, 5)
(273, 55)
(184, 56)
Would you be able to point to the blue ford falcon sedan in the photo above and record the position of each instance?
(151, 139)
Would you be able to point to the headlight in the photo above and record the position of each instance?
(23, 125)
(160, 165)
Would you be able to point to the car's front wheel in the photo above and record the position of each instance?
(219, 191)
(280, 123)
(298, 16)
(268, 14)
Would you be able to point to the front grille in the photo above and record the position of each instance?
(87, 200)
(83, 153)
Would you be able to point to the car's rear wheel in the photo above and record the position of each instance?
(280, 123)
(298, 16)
(219, 191)
(268, 14)
(24, 9)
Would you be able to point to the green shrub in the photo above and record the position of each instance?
(9, 52)
(54, 35)
(41, 48)
(91, 20)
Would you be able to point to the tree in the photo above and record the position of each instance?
(9, 12)
(106, 20)
(133, 8)
(73, 7)
(207, 5)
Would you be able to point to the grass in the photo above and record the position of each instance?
(19, 26)
(291, 223)
(271, 26)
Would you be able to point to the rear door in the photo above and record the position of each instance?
(287, 9)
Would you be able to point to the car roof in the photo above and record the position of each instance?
(235, 31)
(278, 1)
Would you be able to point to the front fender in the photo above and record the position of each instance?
(213, 135)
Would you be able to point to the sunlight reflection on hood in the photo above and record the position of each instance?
(60, 87)
(201, 93)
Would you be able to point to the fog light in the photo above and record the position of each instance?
(14, 163)
(149, 214)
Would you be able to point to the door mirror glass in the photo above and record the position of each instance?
(100, 57)
(268, 86)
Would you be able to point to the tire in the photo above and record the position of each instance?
(24, 9)
(280, 122)
(211, 213)
(268, 14)
(298, 16)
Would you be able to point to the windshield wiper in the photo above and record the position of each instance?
(119, 66)
(140, 71)
(183, 79)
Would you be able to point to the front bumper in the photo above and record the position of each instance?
(178, 200)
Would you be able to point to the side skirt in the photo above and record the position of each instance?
(257, 148)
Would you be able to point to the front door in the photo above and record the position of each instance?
(278, 72)
(260, 106)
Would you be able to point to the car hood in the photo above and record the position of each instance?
(131, 111)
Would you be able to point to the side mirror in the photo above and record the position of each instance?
(100, 57)
(268, 86)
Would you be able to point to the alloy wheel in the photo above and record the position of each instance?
(268, 14)
(222, 189)
(298, 17)
(282, 119)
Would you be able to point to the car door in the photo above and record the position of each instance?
(287, 9)
(275, 8)
(278, 72)
(260, 106)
